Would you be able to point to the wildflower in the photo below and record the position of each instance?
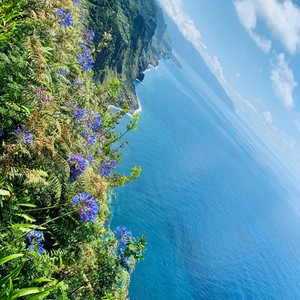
(1, 132)
(88, 206)
(26, 136)
(85, 58)
(90, 138)
(122, 259)
(36, 240)
(78, 113)
(64, 73)
(107, 167)
(66, 17)
(77, 166)
(90, 158)
(96, 122)
(88, 35)
(122, 234)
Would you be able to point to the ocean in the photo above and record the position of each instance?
(219, 212)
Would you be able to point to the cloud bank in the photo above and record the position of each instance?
(283, 81)
(282, 18)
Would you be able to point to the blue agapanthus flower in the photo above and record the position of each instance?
(90, 138)
(88, 35)
(25, 136)
(85, 58)
(107, 167)
(64, 73)
(88, 207)
(122, 234)
(90, 159)
(36, 241)
(77, 166)
(78, 113)
(66, 17)
(122, 259)
(96, 122)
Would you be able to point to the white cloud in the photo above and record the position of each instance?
(281, 17)
(268, 117)
(175, 10)
(247, 14)
(283, 81)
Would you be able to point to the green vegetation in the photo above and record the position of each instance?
(58, 153)
(137, 36)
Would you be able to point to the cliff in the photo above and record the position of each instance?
(137, 36)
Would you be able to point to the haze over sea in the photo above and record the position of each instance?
(219, 211)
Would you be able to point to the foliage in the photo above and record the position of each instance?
(58, 155)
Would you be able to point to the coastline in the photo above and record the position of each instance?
(129, 114)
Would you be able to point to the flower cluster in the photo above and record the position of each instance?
(26, 136)
(88, 35)
(90, 138)
(78, 113)
(92, 120)
(36, 240)
(77, 166)
(95, 122)
(86, 60)
(65, 16)
(122, 234)
(107, 167)
(88, 206)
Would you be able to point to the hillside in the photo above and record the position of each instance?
(135, 35)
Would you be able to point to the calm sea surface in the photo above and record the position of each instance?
(212, 202)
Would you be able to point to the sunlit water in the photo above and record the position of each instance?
(219, 220)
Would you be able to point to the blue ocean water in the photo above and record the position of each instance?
(220, 219)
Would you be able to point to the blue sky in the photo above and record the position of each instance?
(253, 48)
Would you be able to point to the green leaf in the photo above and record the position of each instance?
(27, 204)
(26, 217)
(10, 257)
(26, 291)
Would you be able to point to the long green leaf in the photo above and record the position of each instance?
(26, 291)
(10, 257)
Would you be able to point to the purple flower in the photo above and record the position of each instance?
(96, 122)
(88, 206)
(26, 136)
(90, 158)
(85, 58)
(122, 234)
(66, 17)
(90, 138)
(64, 73)
(36, 240)
(107, 167)
(88, 35)
(77, 166)
(78, 113)
(1, 132)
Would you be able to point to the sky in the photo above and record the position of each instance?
(253, 48)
